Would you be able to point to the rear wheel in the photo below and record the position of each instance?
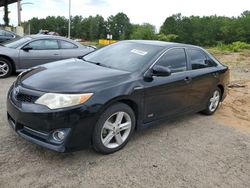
(5, 68)
(213, 102)
(114, 129)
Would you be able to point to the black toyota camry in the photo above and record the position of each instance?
(101, 99)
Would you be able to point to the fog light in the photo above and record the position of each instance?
(58, 136)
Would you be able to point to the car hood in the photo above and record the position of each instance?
(71, 76)
(6, 49)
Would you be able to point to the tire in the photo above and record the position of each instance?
(5, 67)
(215, 98)
(113, 129)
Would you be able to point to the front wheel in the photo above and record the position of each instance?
(114, 129)
(5, 68)
(213, 102)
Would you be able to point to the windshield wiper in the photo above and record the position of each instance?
(96, 63)
(88, 61)
(103, 65)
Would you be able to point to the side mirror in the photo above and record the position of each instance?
(27, 48)
(160, 71)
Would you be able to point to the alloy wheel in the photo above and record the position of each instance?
(4, 68)
(214, 101)
(116, 130)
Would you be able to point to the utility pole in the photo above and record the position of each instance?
(69, 18)
(19, 12)
(19, 9)
(6, 13)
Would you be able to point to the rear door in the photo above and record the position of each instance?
(204, 77)
(167, 96)
(71, 50)
(42, 51)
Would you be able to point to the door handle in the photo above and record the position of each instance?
(188, 79)
(138, 88)
(56, 54)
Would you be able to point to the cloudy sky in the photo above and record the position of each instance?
(139, 11)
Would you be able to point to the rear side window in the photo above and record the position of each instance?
(175, 60)
(67, 45)
(44, 45)
(199, 60)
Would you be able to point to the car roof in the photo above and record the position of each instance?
(41, 36)
(161, 43)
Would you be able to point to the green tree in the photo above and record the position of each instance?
(93, 28)
(119, 26)
(6, 14)
(168, 38)
(171, 24)
(144, 31)
(51, 23)
(208, 30)
(205, 31)
(77, 29)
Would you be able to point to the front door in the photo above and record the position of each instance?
(167, 96)
(41, 51)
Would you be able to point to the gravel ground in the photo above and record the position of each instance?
(193, 151)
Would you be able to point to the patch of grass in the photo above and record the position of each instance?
(241, 58)
(234, 47)
(215, 51)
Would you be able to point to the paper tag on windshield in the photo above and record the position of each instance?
(139, 52)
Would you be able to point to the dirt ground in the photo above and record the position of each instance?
(193, 151)
(235, 110)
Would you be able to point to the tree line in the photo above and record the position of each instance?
(205, 31)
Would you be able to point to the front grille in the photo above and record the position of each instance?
(26, 98)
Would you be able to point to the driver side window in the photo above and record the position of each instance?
(175, 60)
(44, 45)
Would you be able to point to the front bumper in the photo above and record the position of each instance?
(36, 123)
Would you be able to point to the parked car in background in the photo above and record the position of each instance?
(53, 33)
(29, 51)
(7, 35)
(108, 94)
(47, 32)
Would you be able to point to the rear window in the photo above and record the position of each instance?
(67, 45)
(199, 60)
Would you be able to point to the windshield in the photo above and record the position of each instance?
(16, 42)
(127, 56)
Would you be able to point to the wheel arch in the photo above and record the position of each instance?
(133, 106)
(130, 102)
(221, 87)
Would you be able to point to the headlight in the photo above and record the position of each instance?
(55, 100)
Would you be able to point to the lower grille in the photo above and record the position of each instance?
(26, 98)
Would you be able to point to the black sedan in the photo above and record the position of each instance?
(101, 99)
